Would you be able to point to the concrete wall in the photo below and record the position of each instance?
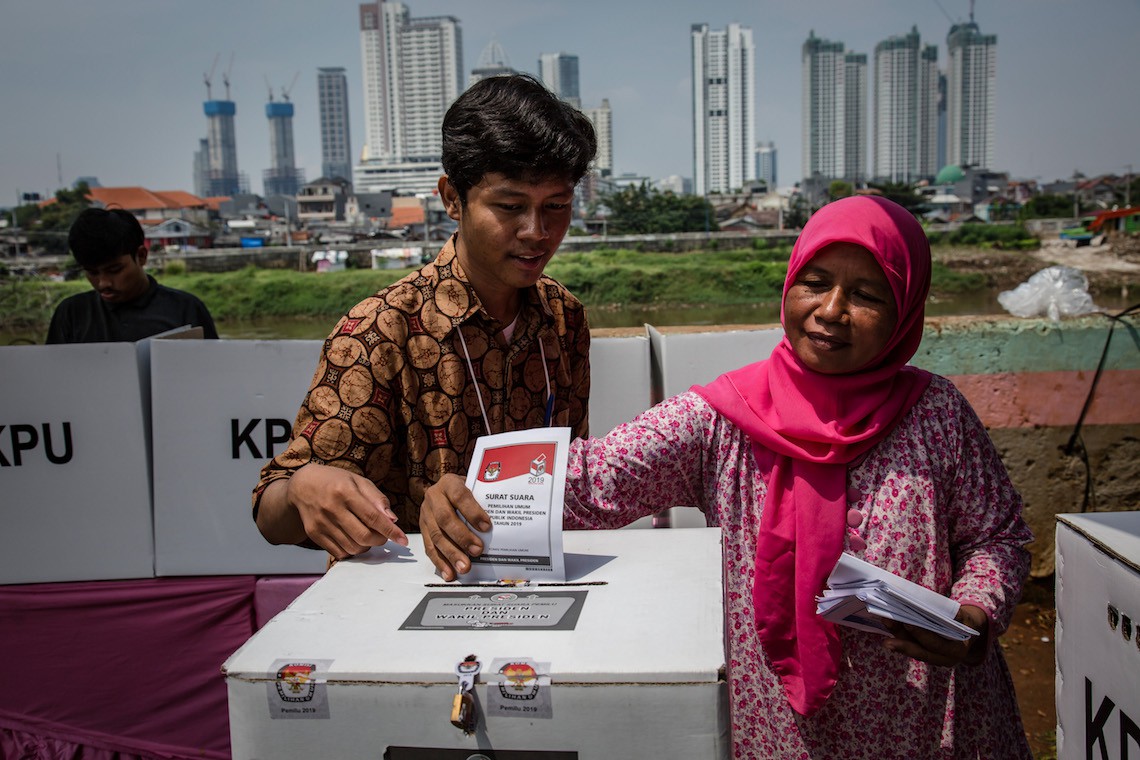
(1028, 380)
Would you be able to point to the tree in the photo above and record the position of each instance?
(798, 212)
(47, 224)
(839, 189)
(902, 194)
(641, 210)
(1047, 206)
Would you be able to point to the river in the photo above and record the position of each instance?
(981, 302)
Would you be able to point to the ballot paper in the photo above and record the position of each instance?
(519, 479)
(859, 595)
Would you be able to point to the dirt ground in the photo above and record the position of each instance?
(1112, 267)
(1028, 649)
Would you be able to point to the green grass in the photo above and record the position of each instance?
(604, 277)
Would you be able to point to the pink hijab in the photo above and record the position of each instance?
(807, 427)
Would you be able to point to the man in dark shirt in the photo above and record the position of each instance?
(126, 303)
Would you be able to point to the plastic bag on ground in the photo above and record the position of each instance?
(1055, 292)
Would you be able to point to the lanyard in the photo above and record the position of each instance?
(548, 417)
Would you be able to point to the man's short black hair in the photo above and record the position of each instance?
(513, 125)
(98, 235)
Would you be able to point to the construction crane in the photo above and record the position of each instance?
(284, 90)
(952, 20)
(226, 75)
(209, 77)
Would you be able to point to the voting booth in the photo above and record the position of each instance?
(1098, 635)
(684, 359)
(619, 381)
(74, 464)
(624, 659)
(680, 360)
(221, 409)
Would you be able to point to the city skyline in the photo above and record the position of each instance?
(115, 91)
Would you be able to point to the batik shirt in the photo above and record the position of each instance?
(395, 398)
(938, 509)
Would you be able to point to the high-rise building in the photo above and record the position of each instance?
(970, 96)
(834, 111)
(282, 178)
(202, 169)
(559, 72)
(906, 109)
(222, 177)
(855, 117)
(766, 164)
(603, 120)
(336, 141)
(929, 105)
(941, 138)
(412, 71)
(493, 62)
(724, 108)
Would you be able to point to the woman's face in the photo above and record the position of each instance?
(839, 312)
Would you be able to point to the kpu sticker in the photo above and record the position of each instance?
(297, 689)
(518, 688)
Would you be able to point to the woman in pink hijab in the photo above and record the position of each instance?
(834, 444)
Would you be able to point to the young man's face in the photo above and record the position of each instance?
(120, 279)
(508, 230)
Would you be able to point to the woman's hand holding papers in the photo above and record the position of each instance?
(921, 644)
(449, 541)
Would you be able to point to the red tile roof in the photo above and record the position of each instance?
(141, 199)
(402, 216)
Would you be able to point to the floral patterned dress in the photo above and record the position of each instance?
(938, 508)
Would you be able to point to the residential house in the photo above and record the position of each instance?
(323, 201)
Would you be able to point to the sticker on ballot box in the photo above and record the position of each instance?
(298, 689)
(476, 610)
(518, 687)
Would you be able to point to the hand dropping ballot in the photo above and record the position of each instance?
(860, 594)
(519, 479)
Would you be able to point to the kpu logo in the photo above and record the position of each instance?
(295, 682)
(276, 431)
(26, 439)
(520, 681)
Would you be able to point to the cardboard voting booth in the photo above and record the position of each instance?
(1098, 635)
(625, 659)
(221, 410)
(619, 381)
(682, 360)
(74, 464)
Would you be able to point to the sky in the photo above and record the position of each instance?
(113, 89)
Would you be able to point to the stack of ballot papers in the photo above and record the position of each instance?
(859, 595)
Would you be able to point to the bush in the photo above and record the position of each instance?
(174, 267)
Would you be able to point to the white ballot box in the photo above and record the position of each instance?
(1098, 635)
(625, 659)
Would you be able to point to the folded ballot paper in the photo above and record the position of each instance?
(859, 594)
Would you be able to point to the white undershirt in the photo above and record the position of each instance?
(509, 330)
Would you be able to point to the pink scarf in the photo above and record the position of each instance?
(806, 428)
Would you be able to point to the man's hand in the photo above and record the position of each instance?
(928, 646)
(448, 541)
(342, 512)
